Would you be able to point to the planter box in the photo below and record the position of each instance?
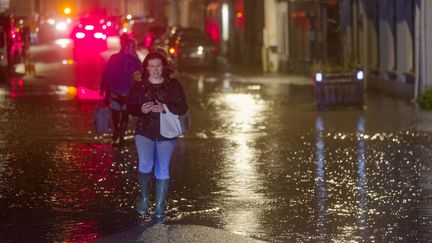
(338, 89)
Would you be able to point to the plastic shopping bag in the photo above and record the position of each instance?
(172, 125)
(102, 118)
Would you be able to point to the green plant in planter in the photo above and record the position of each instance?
(425, 99)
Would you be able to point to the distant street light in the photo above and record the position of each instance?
(67, 10)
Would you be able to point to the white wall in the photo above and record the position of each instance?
(425, 49)
(372, 45)
(22, 8)
(270, 23)
(282, 24)
(386, 48)
(363, 35)
(4, 4)
(404, 47)
(184, 12)
(271, 36)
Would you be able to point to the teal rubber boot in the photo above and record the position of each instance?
(144, 184)
(161, 196)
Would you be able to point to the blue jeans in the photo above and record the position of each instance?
(154, 153)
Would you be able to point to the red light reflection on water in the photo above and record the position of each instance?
(16, 87)
(89, 66)
(89, 181)
(85, 93)
(80, 93)
(13, 89)
(84, 231)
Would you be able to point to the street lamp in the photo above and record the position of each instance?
(67, 10)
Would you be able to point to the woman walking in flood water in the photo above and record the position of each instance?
(146, 101)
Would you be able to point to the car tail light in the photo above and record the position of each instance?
(148, 41)
(79, 35)
(12, 34)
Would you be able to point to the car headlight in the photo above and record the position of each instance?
(61, 26)
(200, 50)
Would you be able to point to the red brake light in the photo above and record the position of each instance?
(12, 34)
(172, 50)
(148, 41)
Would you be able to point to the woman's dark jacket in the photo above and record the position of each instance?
(169, 92)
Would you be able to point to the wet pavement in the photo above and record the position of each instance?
(173, 233)
(259, 161)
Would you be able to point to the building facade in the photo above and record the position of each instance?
(392, 41)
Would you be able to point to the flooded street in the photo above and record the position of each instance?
(259, 160)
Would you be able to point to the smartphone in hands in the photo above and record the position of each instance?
(147, 107)
(149, 104)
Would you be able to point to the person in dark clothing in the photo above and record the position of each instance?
(116, 84)
(154, 150)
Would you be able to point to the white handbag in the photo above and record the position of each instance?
(172, 125)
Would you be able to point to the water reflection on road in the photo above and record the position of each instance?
(259, 160)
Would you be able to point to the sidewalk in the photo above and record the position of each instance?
(249, 74)
(158, 233)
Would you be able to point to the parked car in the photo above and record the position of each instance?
(4, 70)
(11, 45)
(52, 28)
(163, 41)
(190, 47)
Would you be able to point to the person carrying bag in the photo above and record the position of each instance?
(172, 125)
(155, 95)
(116, 84)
